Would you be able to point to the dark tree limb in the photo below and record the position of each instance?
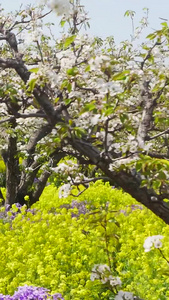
(125, 180)
(40, 185)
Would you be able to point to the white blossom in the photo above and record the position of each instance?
(61, 7)
(65, 168)
(95, 119)
(117, 163)
(111, 86)
(29, 38)
(64, 190)
(94, 276)
(156, 52)
(124, 296)
(114, 281)
(103, 273)
(154, 240)
(102, 268)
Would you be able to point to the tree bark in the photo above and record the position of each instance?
(12, 169)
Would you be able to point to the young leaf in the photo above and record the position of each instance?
(34, 70)
(69, 41)
(32, 83)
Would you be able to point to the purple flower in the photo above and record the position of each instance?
(31, 293)
(5, 297)
(18, 205)
(57, 296)
(81, 206)
(7, 207)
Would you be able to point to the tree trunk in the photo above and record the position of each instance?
(12, 169)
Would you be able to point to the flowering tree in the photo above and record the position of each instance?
(101, 107)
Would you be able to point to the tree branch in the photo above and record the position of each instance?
(125, 180)
(157, 135)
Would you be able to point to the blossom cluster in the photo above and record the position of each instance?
(104, 274)
(60, 6)
(124, 296)
(151, 241)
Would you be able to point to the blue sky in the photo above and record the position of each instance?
(107, 16)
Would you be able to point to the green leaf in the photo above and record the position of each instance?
(69, 41)
(87, 68)
(129, 13)
(62, 23)
(72, 71)
(162, 175)
(109, 111)
(66, 84)
(79, 132)
(70, 122)
(124, 117)
(34, 70)
(32, 83)
(156, 184)
(69, 87)
(151, 36)
(121, 76)
(67, 101)
(144, 182)
(56, 100)
(89, 107)
(138, 166)
(164, 24)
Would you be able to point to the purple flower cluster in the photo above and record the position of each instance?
(81, 207)
(133, 207)
(31, 293)
(5, 215)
